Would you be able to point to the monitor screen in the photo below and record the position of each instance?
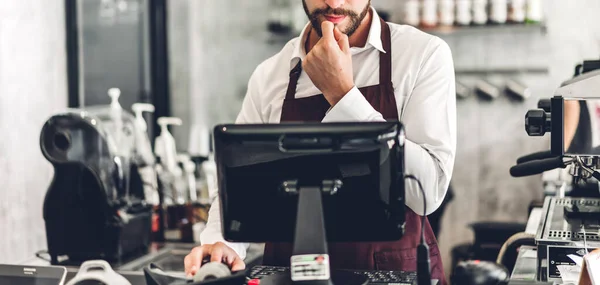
(32, 275)
(28, 280)
(254, 162)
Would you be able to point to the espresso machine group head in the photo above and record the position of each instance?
(95, 206)
(573, 120)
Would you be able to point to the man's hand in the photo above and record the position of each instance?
(218, 252)
(329, 64)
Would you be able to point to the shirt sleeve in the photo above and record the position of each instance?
(250, 113)
(429, 117)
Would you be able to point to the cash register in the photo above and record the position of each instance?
(300, 183)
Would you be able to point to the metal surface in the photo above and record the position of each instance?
(526, 266)
(557, 237)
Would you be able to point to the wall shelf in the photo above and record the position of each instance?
(487, 29)
(503, 71)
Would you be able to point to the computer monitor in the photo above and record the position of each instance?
(310, 183)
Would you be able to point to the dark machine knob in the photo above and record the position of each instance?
(537, 123)
(545, 104)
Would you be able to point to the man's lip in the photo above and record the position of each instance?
(334, 18)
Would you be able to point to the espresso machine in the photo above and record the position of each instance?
(570, 224)
(95, 206)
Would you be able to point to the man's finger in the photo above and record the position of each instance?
(344, 44)
(197, 256)
(216, 255)
(327, 30)
(187, 264)
(337, 34)
(237, 264)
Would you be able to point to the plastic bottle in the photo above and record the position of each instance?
(142, 142)
(189, 168)
(165, 147)
(116, 115)
(144, 155)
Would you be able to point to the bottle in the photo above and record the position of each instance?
(446, 9)
(144, 155)
(411, 15)
(429, 16)
(165, 147)
(116, 115)
(480, 15)
(534, 11)
(463, 12)
(516, 12)
(142, 142)
(498, 11)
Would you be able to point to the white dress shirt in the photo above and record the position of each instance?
(424, 87)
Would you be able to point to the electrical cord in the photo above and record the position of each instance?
(410, 176)
(423, 262)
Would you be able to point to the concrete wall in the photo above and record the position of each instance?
(33, 85)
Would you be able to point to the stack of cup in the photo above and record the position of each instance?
(463, 12)
(411, 13)
(446, 12)
(429, 17)
(498, 11)
(480, 15)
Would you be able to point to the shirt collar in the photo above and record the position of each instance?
(374, 40)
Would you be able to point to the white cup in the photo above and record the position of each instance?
(463, 12)
(480, 15)
(517, 11)
(429, 17)
(446, 9)
(411, 13)
(498, 11)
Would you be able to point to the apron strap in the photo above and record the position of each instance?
(385, 58)
(294, 76)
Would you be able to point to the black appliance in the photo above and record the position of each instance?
(95, 206)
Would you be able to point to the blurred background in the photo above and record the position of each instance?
(192, 59)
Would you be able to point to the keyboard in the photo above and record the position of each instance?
(376, 277)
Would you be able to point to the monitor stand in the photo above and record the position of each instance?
(310, 261)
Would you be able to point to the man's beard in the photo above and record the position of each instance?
(354, 18)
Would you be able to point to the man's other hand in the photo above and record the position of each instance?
(218, 252)
(329, 64)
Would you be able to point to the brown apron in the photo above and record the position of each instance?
(398, 255)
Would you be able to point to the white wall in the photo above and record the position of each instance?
(32, 86)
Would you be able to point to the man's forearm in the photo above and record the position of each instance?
(430, 171)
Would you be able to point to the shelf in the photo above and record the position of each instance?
(487, 29)
(503, 71)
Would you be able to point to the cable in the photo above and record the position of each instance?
(423, 262)
(584, 238)
(410, 176)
